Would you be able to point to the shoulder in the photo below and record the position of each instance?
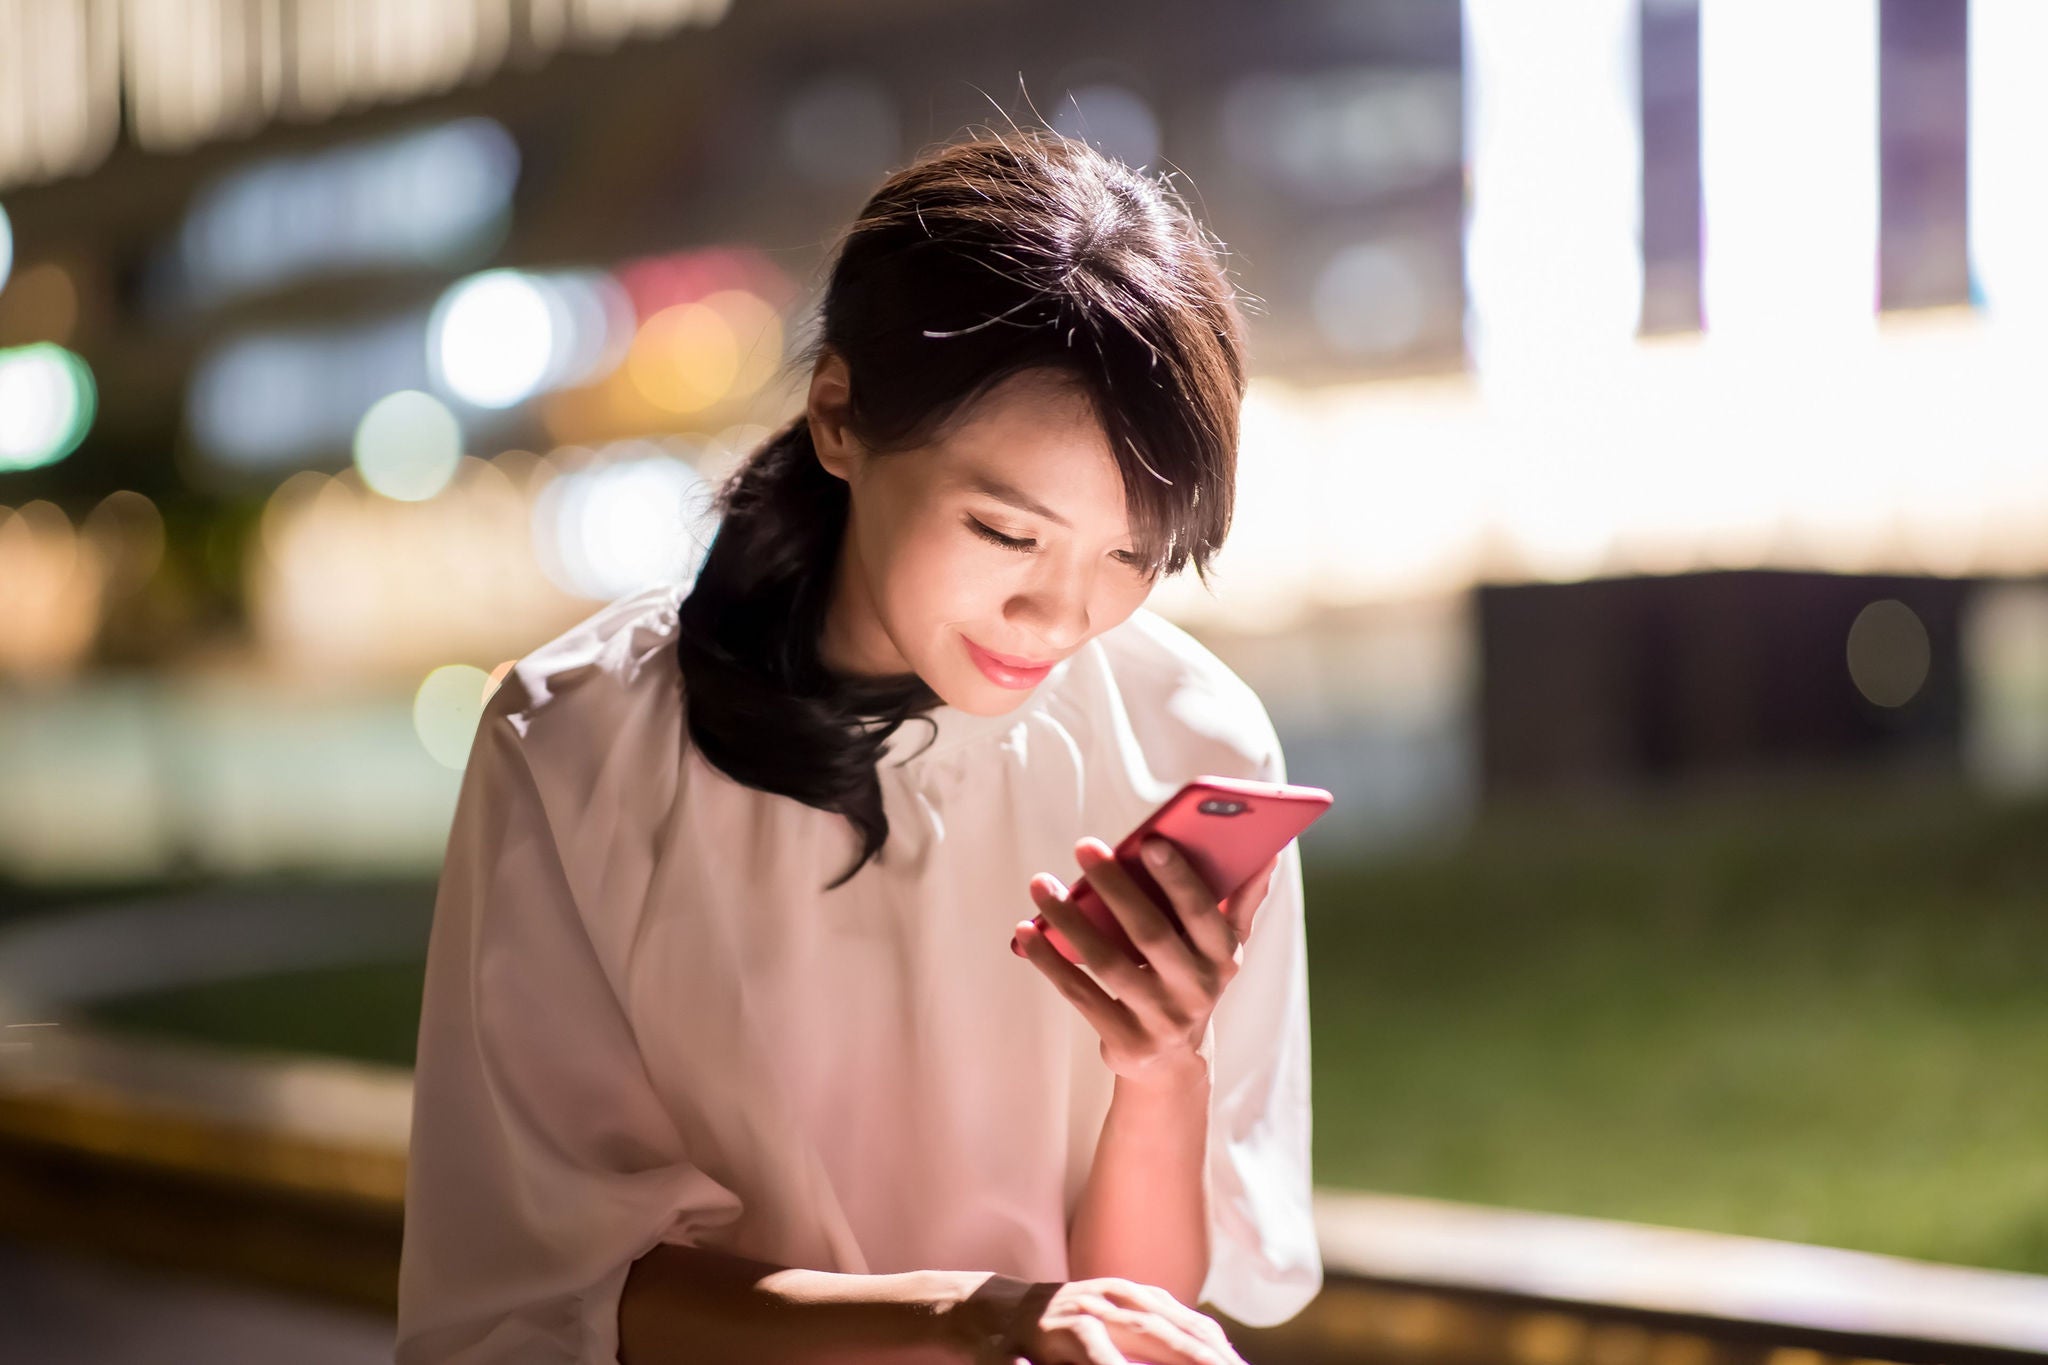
(611, 677)
(1185, 703)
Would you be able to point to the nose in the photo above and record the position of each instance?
(1055, 614)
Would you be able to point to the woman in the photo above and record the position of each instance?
(725, 1052)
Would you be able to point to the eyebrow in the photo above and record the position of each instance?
(994, 487)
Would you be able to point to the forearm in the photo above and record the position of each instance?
(1144, 1213)
(689, 1304)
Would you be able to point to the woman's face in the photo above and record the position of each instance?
(921, 585)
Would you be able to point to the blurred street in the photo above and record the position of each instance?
(64, 1309)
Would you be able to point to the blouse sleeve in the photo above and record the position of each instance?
(542, 1164)
(1264, 1264)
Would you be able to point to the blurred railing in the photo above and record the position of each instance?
(289, 1171)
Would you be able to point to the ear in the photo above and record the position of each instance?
(828, 410)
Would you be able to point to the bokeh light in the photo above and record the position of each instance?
(428, 196)
(1888, 653)
(339, 586)
(1113, 117)
(635, 517)
(445, 711)
(685, 358)
(6, 246)
(264, 399)
(491, 338)
(126, 532)
(50, 593)
(1370, 300)
(407, 446)
(498, 338)
(47, 401)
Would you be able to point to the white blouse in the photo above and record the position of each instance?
(644, 1021)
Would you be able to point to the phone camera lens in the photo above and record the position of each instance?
(1217, 805)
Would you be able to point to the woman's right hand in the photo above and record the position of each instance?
(1111, 1321)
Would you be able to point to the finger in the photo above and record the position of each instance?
(1147, 923)
(1150, 1333)
(1093, 1335)
(1201, 910)
(1199, 1324)
(1241, 910)
(1111, 965)
(1109, 1017)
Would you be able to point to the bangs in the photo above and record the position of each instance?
(1173, 432)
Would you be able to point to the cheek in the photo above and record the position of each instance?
(1118, 597)
(935, 579)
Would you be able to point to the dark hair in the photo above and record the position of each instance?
(984, 258)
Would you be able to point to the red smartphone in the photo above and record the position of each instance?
(1226, 827)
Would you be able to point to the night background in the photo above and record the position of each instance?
(1643, 531)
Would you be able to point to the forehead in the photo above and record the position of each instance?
(1034, 433)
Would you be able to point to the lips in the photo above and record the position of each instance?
(998, 670)
(1017, 661)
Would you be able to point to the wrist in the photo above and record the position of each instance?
(1182, 1075)
(995, 1317)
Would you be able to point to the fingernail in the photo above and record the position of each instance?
(1155, 852)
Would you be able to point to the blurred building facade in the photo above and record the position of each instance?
(335, 372)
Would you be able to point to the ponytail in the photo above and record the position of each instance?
(761, 705)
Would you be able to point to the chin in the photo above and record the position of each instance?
(980, 697)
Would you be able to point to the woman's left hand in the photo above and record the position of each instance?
(1153, 1017)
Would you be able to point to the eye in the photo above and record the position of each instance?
(998, 537)
(1129, 558)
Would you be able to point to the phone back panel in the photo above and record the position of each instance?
(1227, 828)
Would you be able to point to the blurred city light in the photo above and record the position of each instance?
(126, 533)
(50, 593)
(491, 338)
(69, 73)
(685, 358)
(1369, 299)
(498, 338)
(6, 246)
(47, 401)
(1553, 241)
(1421, 486)
(407, 446)
(2005, 640)
(634, 516)
(694, 356)
(1888, 653)
(1788, 168)
(1114, 118)
(339, 593)
(1343, 134)
(435, 196)
(445, 711)
(279, 398)
(2008, 194)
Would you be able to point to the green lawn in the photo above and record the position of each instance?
(1819, 1020)
(1819, 1014)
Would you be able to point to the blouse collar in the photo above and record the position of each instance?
(914, 741)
